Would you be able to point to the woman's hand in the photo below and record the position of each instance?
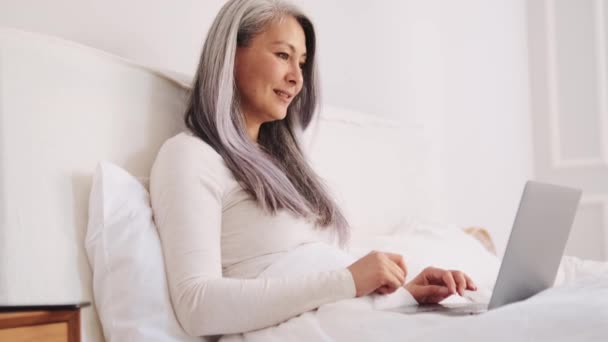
(378, 271)
(433, 285)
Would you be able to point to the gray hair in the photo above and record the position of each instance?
(276, 174)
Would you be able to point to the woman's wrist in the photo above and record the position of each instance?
(350, 285)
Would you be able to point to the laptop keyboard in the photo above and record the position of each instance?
(448, 309)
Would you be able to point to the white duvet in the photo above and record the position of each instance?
(576, 309)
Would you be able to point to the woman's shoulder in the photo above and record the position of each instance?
(190, 147)
(187, 151)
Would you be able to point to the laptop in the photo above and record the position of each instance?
(534, 250)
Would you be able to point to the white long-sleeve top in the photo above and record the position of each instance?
(216, 240)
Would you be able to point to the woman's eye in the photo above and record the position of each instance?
(283, 55)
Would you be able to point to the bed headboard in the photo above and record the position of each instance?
(63, 108)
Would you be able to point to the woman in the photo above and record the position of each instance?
(235, 193)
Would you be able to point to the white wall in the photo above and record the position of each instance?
(458, 66)
(569, 83)
(164, 34)
(487, 147)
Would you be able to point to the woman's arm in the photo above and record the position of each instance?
(186, 193)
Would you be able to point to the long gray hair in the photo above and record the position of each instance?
(276, 174)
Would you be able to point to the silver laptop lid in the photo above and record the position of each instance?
(537, 241)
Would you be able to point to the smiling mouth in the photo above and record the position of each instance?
(283, 95)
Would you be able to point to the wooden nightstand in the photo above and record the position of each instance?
(49, 323)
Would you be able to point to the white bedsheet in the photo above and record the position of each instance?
(575, 310)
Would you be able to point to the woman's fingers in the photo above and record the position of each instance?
(461, 281)
(382, 290)
(398, 275)
(433, 285)
(390, 284)
(455, 281)
(394, 273)
(378, 272)
(398, 259)
(433, 293)
(437, 276)
(470, 284)
(464, 282)
(449, 281)
(397, 271)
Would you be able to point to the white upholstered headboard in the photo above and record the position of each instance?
(64, 107)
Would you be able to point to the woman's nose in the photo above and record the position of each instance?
(295, 75)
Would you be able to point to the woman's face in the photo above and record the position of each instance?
(268, 71)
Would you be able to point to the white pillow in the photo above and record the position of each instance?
(382, 172)
(122, 244)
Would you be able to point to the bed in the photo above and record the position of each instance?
(65, 107)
